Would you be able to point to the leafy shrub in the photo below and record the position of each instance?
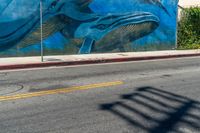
(189, 29)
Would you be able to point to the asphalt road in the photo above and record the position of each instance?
(150, 96)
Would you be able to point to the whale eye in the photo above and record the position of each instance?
(53, 4)
(101, 26)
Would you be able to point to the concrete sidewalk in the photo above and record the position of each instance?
(66, 60)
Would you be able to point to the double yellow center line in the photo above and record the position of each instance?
(57, 91)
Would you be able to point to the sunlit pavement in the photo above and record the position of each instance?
(157, 96)
(68, 60)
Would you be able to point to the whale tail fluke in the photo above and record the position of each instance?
(158, 3)
(83, 5)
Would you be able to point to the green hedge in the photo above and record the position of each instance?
(189, 29)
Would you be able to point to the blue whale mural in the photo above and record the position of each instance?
(96, 29)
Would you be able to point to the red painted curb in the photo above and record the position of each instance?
(70, 63)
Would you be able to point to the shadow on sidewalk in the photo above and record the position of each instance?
(157, 111)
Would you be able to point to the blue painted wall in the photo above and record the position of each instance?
(86, 26)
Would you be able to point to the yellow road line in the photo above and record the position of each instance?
(62, 90)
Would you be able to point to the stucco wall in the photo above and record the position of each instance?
(188, 3)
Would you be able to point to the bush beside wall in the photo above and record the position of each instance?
(189, 29)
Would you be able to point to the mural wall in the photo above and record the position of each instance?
(86, 26)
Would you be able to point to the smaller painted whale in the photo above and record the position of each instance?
(115, 30)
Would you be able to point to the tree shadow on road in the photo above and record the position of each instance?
(157, 111)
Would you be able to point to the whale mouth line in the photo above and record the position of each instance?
(127, 15)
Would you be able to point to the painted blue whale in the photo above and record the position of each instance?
(18, 18)
(81, 22)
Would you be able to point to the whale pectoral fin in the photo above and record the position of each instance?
(86, 46)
